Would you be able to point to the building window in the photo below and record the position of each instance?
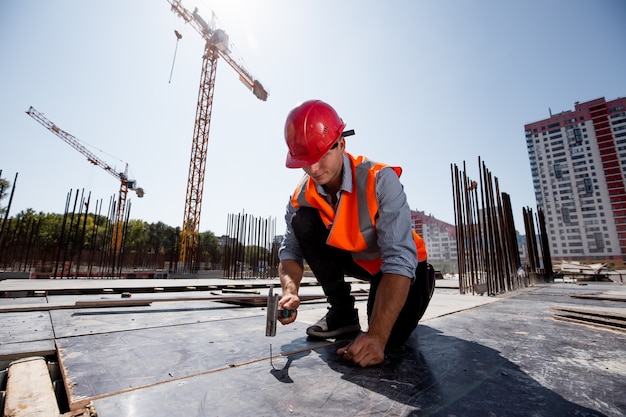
(557, 171)
(565, 214)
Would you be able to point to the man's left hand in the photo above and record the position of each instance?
(365, 350)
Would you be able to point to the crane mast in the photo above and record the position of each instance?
(216, 46)
(125, 183)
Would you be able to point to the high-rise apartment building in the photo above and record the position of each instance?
(578, 165)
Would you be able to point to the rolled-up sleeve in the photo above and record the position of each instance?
(394, 227)
(290, 248)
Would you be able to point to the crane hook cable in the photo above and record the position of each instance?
(178, 37)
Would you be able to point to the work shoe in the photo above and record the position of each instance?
(335, 323)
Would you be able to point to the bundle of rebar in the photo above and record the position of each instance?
(251, 249)
(488, 254)
(77, 249)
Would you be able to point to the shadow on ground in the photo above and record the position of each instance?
(439, 375)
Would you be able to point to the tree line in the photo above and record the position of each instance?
(79, 243)
(47, 242)
(42, 241)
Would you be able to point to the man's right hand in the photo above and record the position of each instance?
(290, 273)
(289, 302)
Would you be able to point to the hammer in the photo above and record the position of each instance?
(273, 313)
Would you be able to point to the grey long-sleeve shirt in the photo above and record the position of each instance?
(393, 225)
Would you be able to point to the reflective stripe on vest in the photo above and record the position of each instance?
(353, 225)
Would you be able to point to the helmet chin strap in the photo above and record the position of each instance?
(347, 133)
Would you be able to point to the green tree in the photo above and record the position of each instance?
(136, 237)
(172, 247)
(157, 233)
(256, 256)
(25, 221)
(209, 249)
(4, 192)
(96, 232)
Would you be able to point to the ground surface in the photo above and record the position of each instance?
(470, 356)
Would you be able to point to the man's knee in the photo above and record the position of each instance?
(417, 302)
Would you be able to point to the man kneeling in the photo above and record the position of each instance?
(350, 216)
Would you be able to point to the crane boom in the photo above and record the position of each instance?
(219, 39)
(125, 183)
(74, 143)
(216, 46)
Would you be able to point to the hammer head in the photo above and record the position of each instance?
(272, 313)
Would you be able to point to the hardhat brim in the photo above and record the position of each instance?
(299, 163)
(292, 162)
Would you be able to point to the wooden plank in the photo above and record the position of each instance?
(592, 318)
(262, 301)
(243, 291)
(14, 351)
(23, 288)
(76, 305)
(29, 390)
(589, 323)
(251, 300)
(105, 303)
(605, 317)
(602, 297)
(112, 303)
(607, 312)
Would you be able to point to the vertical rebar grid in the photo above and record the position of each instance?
(250, 249)
(488, 255)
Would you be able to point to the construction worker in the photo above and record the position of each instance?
(350, 216)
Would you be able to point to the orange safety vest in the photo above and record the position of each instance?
(353, 225)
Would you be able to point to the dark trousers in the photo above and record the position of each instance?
(330, 264)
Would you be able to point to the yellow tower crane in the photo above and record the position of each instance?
(216, 46)
(125, 183)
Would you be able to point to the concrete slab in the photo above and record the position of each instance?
(470, 356)
(118, 361)
(583, 364)
(144, 333)
(435, 375)
(25, 334)
(449, 301)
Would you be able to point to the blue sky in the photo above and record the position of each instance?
(425, 84)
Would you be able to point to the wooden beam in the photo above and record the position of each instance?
(29, 390)
(605, 317)
(601, 297)
(255, 301)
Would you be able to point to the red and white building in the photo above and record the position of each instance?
(578, 164)
(439, 236)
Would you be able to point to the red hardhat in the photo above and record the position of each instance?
(310, 130)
